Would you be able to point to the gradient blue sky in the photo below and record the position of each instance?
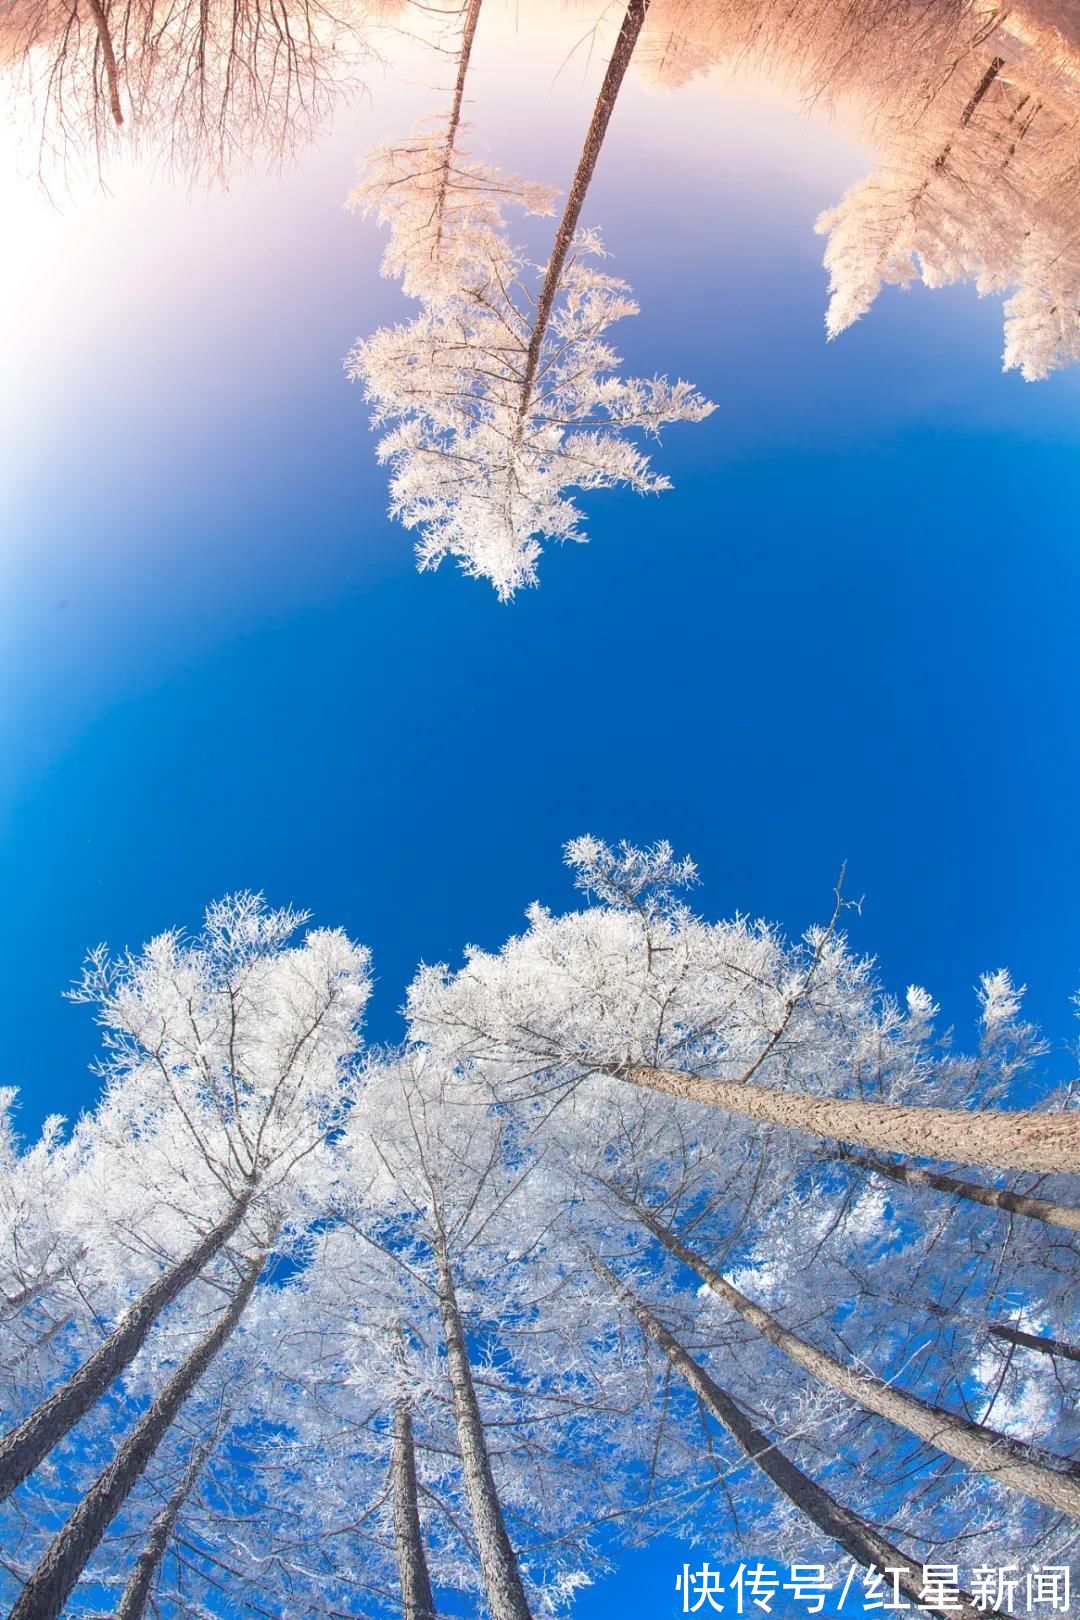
(847, 634)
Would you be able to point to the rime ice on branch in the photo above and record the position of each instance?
(971, 111)
(503, 393)
(589, 1259)
(482, 471)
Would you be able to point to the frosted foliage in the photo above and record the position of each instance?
(971, 116)
(1000, 1000)
(629, 876)
(480, 466)
(440, 207)
(619, 984)
(480, 457)
(871, 244)
(236, 1044)
(38, 1237)
(1042, 317)
(504, 1234)
(641, 980)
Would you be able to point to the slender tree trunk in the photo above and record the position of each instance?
(977, 1325)
(594, 140)
(25, 1447)
(498, 1563)
(112, 77)
(46, 1592)
(910, 1175)
(859, 1539)
(453, 123)
(1035, 1341)
(981, 89)
(1004, 1460)
(1014, 1140)
(136, 1593)
(417, 1601)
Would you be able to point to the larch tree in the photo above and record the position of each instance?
(535, 1304)
(138, 1592)
(726, 1014)
(869, 1490)
(977, 188)
(503, 393)
(643, 1169)
(205, 86)
(45, 1593)
(229, 1066)
(480, 481)
(449, 1194)
(862, 1540)
(440, 204)
(970, 111)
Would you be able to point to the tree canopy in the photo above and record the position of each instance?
(301, 1327)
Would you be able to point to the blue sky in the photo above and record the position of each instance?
(848, 634)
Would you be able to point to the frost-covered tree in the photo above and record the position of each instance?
(727, 1014)
(138, 1591)
(45, 1592)
(440, 204)
(449, 1198)
(971, 114)
(978, 188)
(641, 1167)
(204, 86)
(863, 1541)
(483, 482)
(503, 393)
(538, 1299)
(229, 1065)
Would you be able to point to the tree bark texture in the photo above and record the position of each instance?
(25, 1447)
(498, 1563)
(1007, 1140)
(47, 1590)
(1004, 1460)
(859, 1539)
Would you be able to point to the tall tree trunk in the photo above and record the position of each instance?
(26, 1446)
(1004, 1460)
(1014, 1140)
(453, 123)
(46, 1592)
(136, 1593)
(112, 76)
(417, 1601)
(859, 1539)
(498, 1563)
(981, 89)
(910, 1175)
(594, 140)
